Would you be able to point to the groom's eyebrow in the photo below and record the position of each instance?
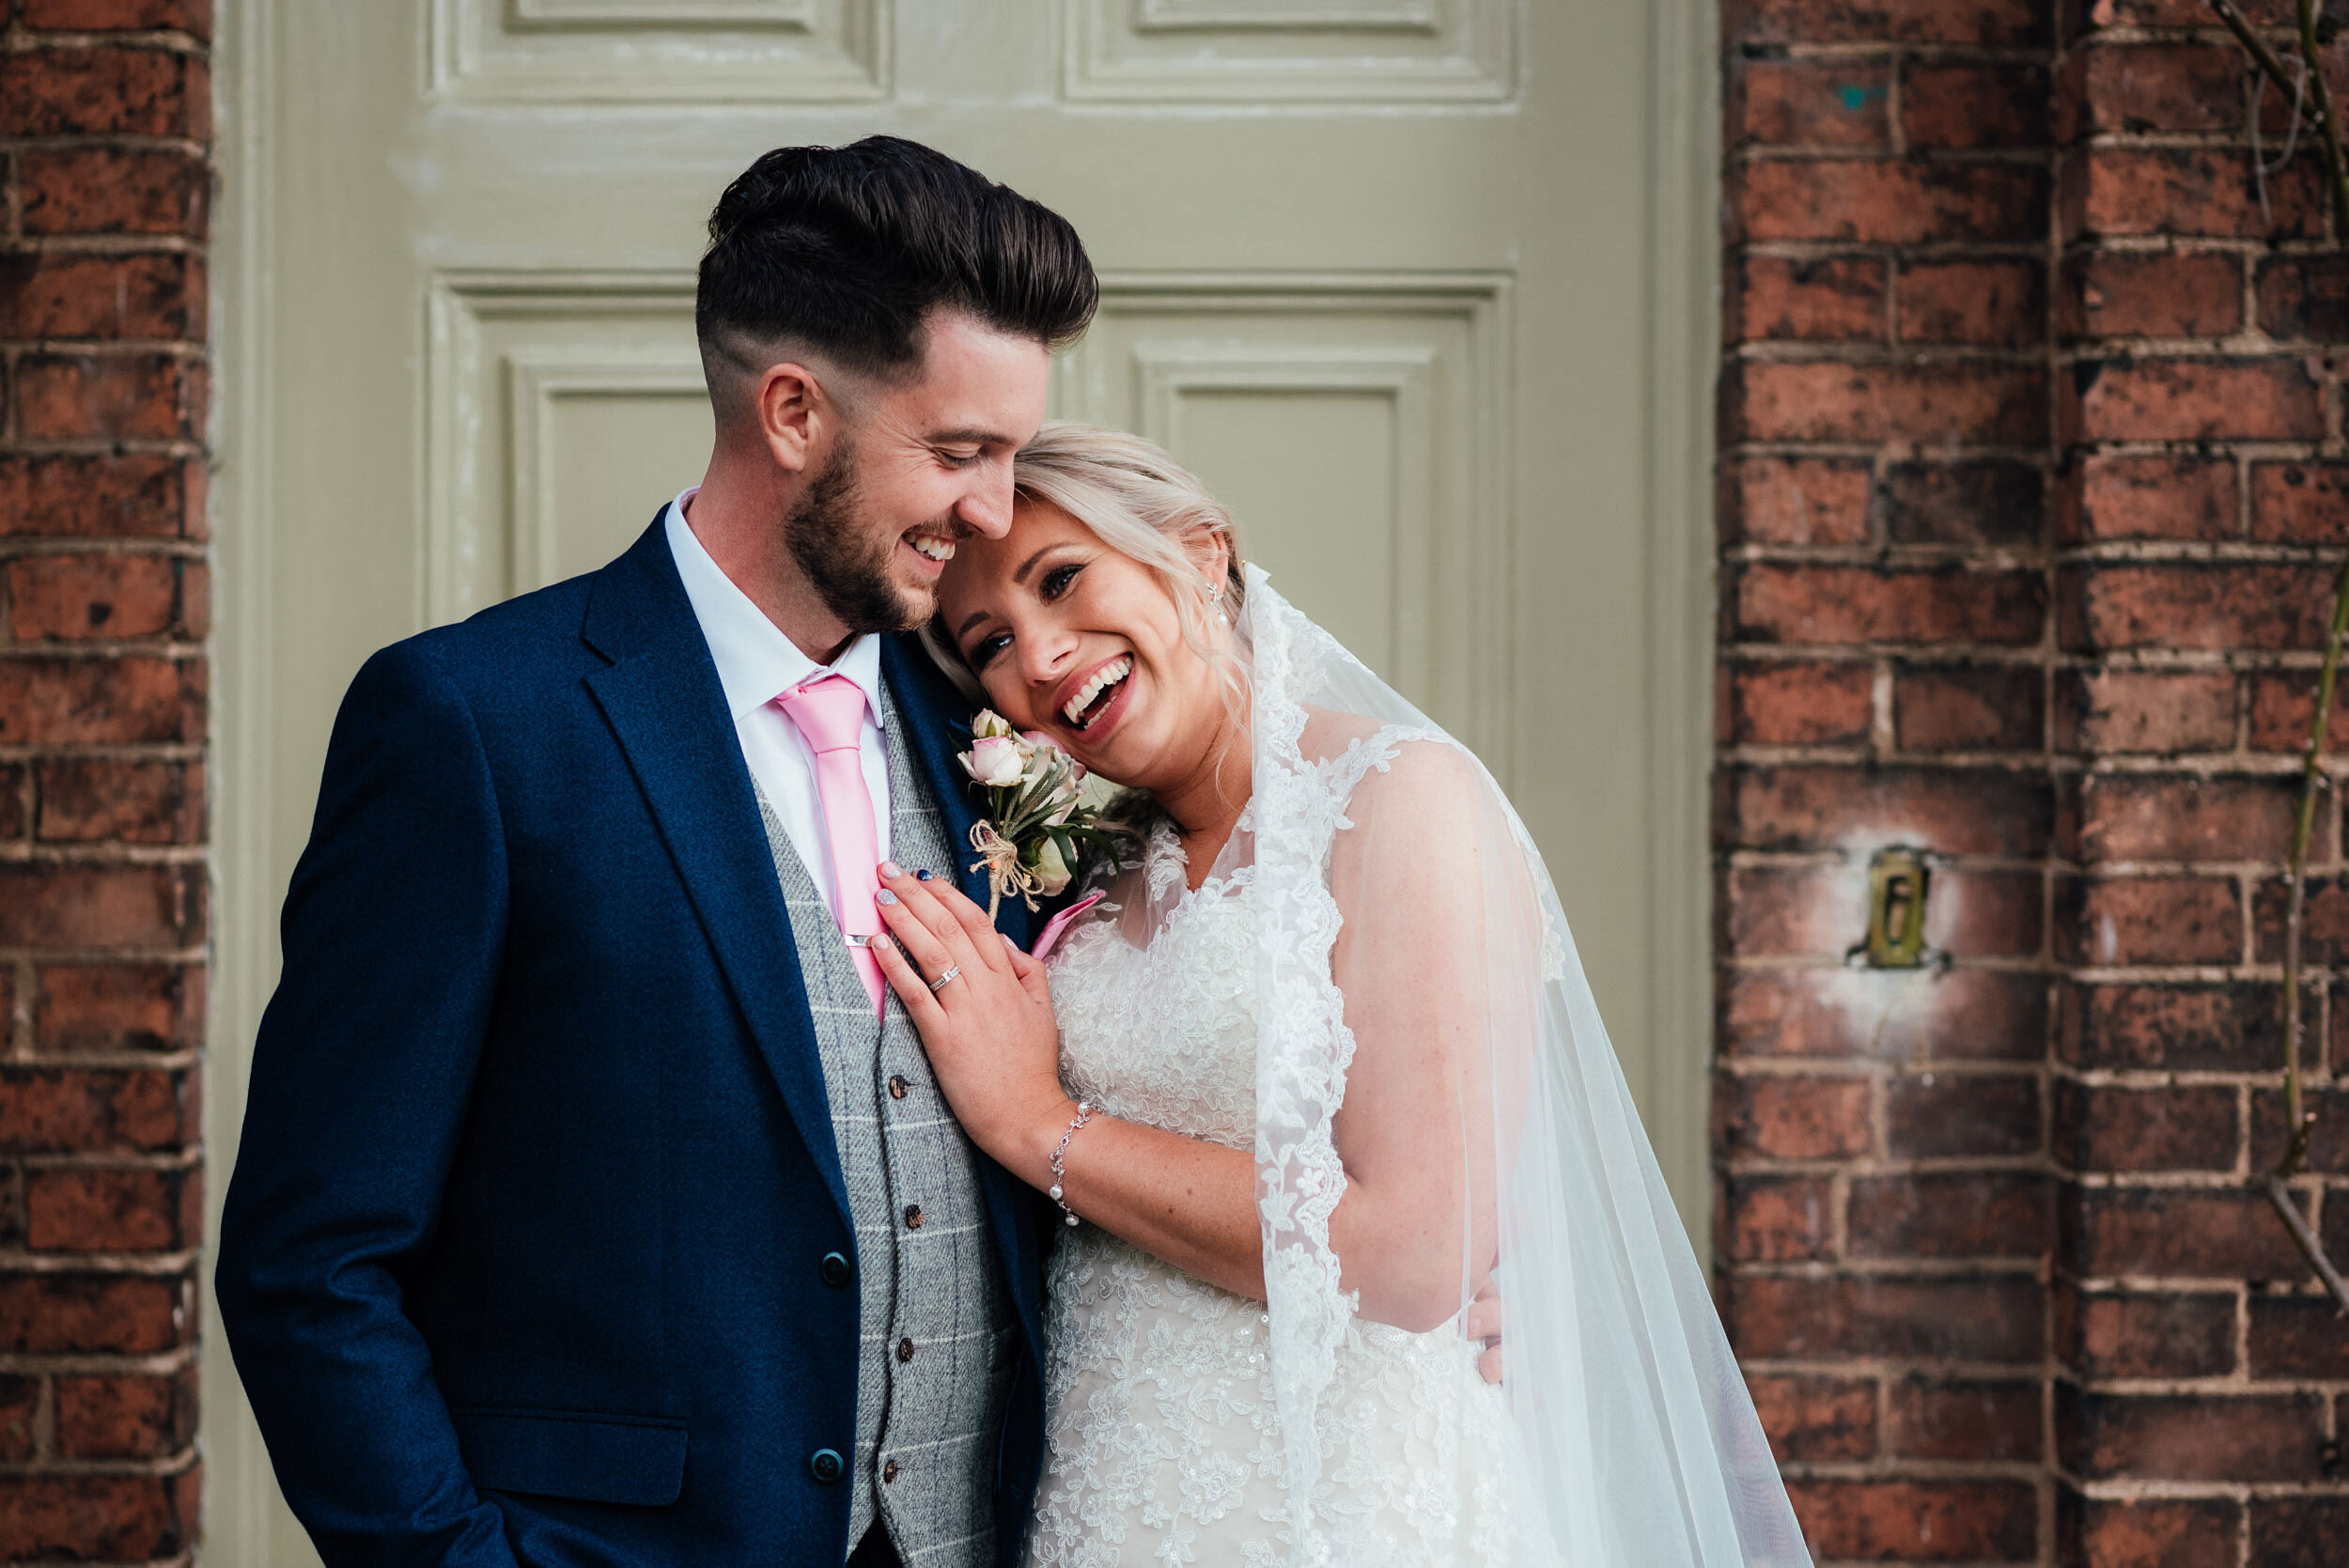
(969, 436)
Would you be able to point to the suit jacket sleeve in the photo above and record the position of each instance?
(393, 931)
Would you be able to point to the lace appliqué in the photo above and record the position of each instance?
(1164, 1440)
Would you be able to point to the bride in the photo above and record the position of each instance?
(1317, 1074)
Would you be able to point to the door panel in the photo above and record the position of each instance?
(1385, 272)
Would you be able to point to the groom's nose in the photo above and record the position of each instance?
(986, 507)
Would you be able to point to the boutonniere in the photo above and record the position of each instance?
(1041, 824)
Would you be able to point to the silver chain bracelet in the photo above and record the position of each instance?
(1060, 1172)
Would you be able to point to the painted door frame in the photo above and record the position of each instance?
(1681, 313)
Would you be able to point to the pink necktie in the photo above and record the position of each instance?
(829, 714)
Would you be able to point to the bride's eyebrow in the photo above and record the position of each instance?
(969, 621)
(1028, 566)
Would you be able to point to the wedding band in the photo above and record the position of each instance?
(951, 970)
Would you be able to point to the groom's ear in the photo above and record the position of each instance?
(795, 417)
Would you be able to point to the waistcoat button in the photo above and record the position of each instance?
(898, 1086)
(825, 1465)
(905, 1350)
(888, 1472)
(833, 1271)
(914, 1216)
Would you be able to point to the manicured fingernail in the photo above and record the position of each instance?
(891, 868)
(882, 942)
(884, 896)
(924, 875)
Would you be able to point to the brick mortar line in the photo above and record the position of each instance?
(1920, 453)
(186, 1059)
(2016, 157)
(108, 246)
(91, 1363)
(1875, 51)
(180, 1160)
(1927, 554)
(1738, 856)
(23, 39)
(160, 750)
(1894, 250)
(1904, 1467)
(27, 546)
(195, 956)
(2256, 1079)
(92, 446)
(172, 1464)
(182, 350)
(1878, 353)
(2006, 1268)
(100, 852)
(96, 650)
(177, 1262)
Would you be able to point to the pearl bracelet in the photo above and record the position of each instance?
(1060, 1172)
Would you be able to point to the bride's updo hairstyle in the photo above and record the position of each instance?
(1136, 499)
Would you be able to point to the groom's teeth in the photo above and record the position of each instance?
(1108, 675)
(929, 545)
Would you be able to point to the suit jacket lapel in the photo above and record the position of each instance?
(664, 701)
(934, 723)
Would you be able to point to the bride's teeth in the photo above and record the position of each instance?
(1108, 675)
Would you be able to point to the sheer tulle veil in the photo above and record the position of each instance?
(1402, 908)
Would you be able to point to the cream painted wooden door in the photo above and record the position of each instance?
(1416, 284)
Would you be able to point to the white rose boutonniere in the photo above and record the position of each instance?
(1041, 820)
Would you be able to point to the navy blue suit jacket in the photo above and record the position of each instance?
(522, 1261)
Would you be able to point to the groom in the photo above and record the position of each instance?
(592, 1207)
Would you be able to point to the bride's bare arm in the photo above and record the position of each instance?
(1437, 959)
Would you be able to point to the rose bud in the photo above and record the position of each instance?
(994, 760)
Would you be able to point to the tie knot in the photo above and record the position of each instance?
(829, 712)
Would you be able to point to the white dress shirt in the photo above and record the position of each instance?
(757, 663)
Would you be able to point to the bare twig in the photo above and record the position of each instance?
(2296, 875)
(2310, 1248)
(2316, 108)
(2313, 100)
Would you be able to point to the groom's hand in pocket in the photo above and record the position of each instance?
(989, 1030)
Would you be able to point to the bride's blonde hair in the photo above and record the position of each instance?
(1136, 499)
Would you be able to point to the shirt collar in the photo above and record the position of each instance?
(756, 663)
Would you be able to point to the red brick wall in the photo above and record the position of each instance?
(2202, 503)
(2027, 428)
(104, 179)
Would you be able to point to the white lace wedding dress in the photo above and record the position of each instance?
(1163, 1445)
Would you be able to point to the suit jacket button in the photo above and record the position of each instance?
(905, 1350)
(888, 1472)
(833, 1271)
(914, 1216)
(898, 1086)
(825, 1465)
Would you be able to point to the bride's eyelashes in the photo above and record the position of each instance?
(1051, 586)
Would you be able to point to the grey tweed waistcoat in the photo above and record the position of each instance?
(937, 1335)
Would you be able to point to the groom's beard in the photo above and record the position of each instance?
(848, 566)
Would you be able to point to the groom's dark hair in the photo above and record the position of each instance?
(847, 250)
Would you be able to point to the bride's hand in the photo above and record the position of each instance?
(1482, 1323)
(990, 1030)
